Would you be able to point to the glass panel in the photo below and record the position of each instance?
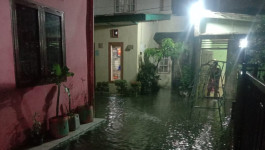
(165, 69)
(161, 5)
(161, 63)
(53, 40)
(117, 5)
(132, 8)
(28, 43)
(116, 54)
(160, 69)
(166, 61)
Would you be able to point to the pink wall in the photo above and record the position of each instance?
(17, 106)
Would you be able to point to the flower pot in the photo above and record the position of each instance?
(59, 126)
(85, 113)
(74, 122)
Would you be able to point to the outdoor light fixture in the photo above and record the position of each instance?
(243, 43)
(196, 12)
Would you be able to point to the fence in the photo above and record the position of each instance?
(249, 113)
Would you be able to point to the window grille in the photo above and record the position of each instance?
(163, 66)
(124, 6)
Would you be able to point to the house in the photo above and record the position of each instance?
(137, 25)
(134, 29)
(37, 34)
(124, 29)
(218, 34)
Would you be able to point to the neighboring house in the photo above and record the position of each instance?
(111, 7)
(218, 34)
(143, 24)
(43, 33)
(129, 27)
(217, 37)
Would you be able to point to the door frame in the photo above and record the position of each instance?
(109, 60)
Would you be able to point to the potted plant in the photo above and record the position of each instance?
(73, 118)
(36, 131)
(59, 124)
(85, 113)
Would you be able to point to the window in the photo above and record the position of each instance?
(162, 7)
(114, 33)
(38, 41)
(163, 66)
(124, 6)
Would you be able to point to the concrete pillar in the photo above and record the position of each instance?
(90, 50)
(232, 68)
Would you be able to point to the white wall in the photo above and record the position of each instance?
(106, 7)
(227, 27)
(153, 6)
(103, 7)
(148, 6)
(146, 32)
(175, 24)
(141, 36)
(127, 35)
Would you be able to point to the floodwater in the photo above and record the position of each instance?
(150, 122)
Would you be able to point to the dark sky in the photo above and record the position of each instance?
(252, 7)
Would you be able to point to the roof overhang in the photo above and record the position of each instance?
(129, 19)
(231, 16)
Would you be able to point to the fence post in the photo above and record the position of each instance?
(255, 72)
(239, 107)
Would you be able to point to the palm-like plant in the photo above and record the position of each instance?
(59, 75)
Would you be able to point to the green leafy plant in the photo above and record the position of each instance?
(185, 80)
(136, 87)
(59, 76)
(102, 87)
(256, 49)
(152, 56)
(122, 86)
(148, 78)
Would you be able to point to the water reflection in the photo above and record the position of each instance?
(150, 122)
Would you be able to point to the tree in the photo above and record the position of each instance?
(256, 48)
(152, 56)
(255, 52)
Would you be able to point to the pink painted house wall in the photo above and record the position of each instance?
(18, 105)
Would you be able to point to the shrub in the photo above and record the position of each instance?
(102, 87)
(122, 86)
(148, 78)
(186, 79)
(152, 56)
(136, 87)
